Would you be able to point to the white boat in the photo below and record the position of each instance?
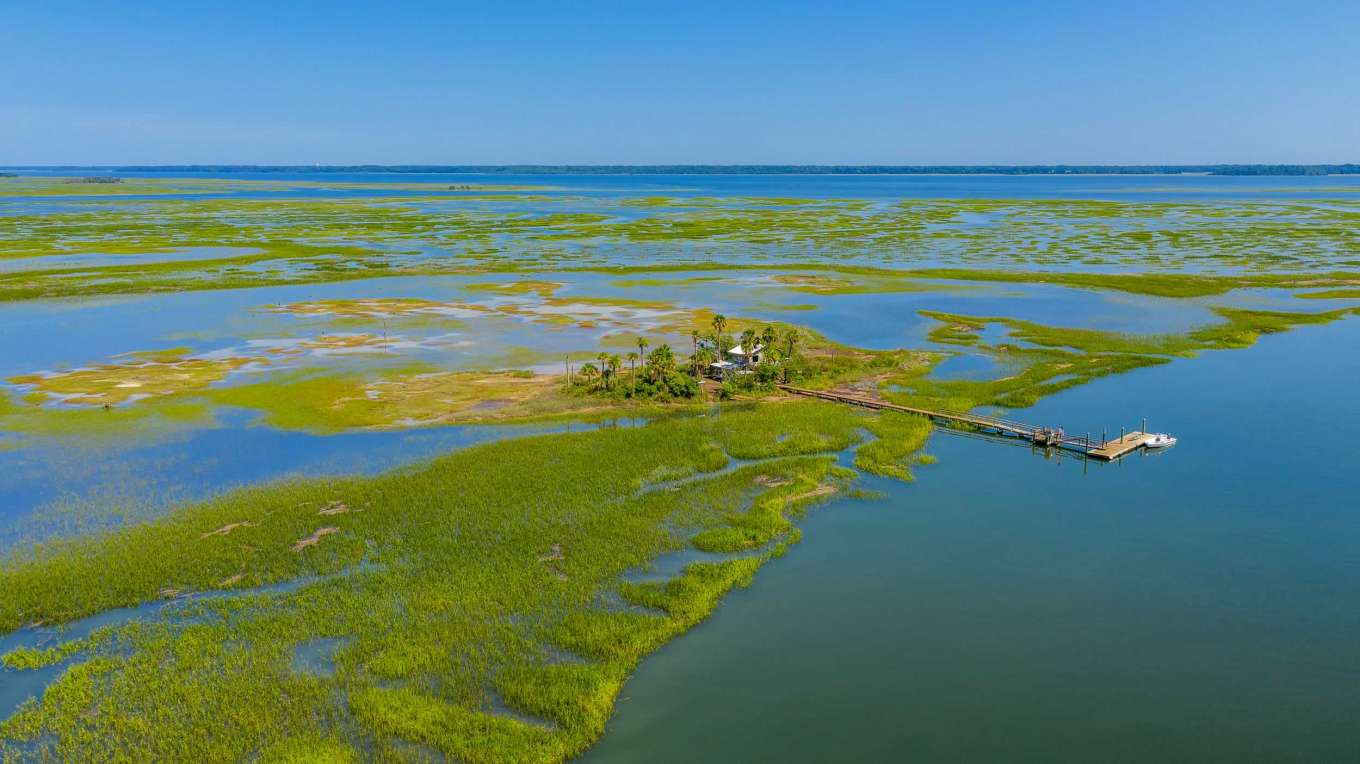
(1159, 440)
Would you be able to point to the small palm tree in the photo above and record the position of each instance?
(767, 337)
(603, 358)
(748, 341)
(704, 357)
(614, 364)
(790, 346)
(588, 371)
(694, 335)
(632, 364)
(642, 344)
(719, 324)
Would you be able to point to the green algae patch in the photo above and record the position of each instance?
(455, 584)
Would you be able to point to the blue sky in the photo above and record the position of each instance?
(694, 82)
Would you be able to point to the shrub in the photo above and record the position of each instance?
(681, 385)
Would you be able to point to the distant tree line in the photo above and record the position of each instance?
(767, 169)
(1288, 169)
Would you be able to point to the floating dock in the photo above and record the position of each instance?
(1113, 449)
(1048, 437)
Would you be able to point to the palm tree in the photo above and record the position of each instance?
(704, 357)
(642, 344)
(588, 371)
(748, 341)
(614, 364)
(632, 363)
(719, 324)
(603, 358)
(790, 341)
(767, 337)
(659, 362)
(694, 335)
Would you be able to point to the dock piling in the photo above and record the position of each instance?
(1107, 450)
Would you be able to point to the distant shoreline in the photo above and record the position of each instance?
(1243, 170)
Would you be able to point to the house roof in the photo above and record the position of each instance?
(738, 351)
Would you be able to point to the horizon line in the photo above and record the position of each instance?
(1218, 168)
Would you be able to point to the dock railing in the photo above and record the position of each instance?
(1045, 436)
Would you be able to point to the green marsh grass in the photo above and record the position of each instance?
(1183, 249)
(455, 585)
(897, 437)
(1062, 358)
(494, 579)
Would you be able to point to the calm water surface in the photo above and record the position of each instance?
(1195, 605)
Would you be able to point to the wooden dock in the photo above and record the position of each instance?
(1113, 449)
(1048, 437)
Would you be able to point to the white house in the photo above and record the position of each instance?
(745, 358)
(739, 361)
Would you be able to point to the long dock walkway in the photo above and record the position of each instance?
(1043, 436)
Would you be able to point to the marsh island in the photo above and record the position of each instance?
(427, 469)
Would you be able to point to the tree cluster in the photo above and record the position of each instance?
(660, 374)
(657, 377)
